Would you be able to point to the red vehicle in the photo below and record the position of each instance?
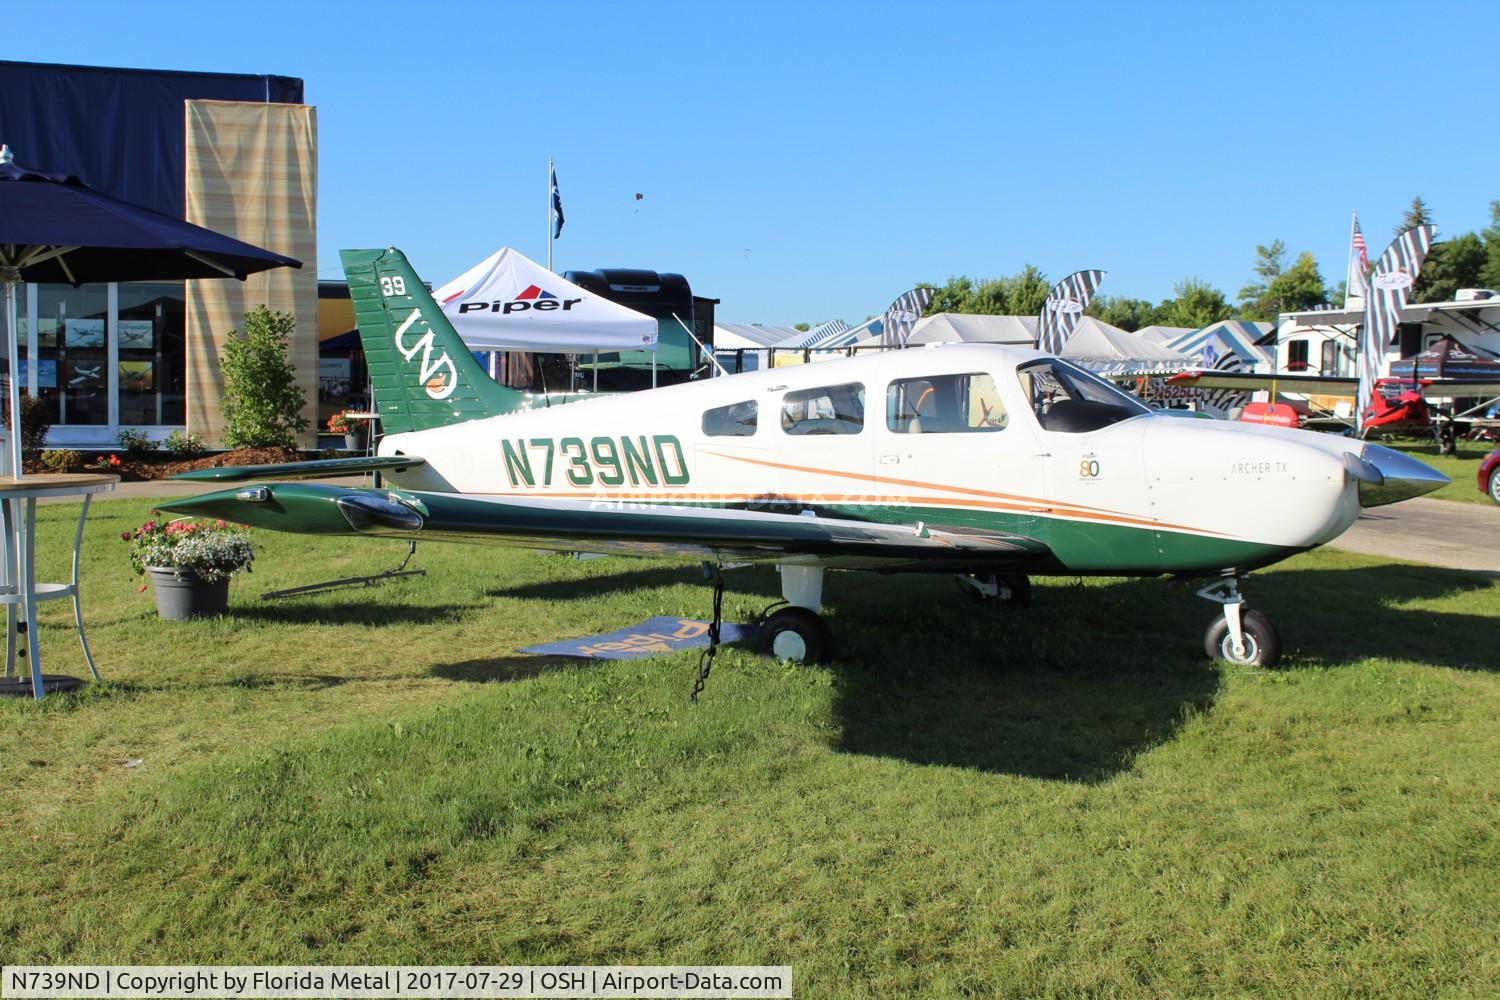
(1398, 407)
(1489, 475)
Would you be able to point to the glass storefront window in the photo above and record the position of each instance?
(72, 352)
(152, 362)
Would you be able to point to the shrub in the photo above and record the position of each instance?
(135, 441)
(36, 420)
(213, 550)
(262, 400)
(62, 460)
(103, 464)
(184, 444)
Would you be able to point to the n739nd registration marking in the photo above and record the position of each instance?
(639, 460)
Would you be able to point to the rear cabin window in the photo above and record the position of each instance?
(829, 409)
(945, 404)
(734, 420)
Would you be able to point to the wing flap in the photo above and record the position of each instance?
(319, 468)
(1317, 385)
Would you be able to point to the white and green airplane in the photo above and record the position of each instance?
(993, 463)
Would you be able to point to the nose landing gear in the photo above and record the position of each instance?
(1239, 635)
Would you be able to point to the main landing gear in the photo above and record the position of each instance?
(797, 632)
(1239, 635)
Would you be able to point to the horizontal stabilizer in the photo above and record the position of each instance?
(316, 469)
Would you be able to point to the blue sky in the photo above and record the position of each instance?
(807, 161)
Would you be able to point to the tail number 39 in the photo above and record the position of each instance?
(392, 285)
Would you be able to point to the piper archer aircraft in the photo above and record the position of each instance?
(990, 462)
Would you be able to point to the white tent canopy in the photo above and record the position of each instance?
(750, 336)
(1098, 346)
(967, 328)
(508, 302)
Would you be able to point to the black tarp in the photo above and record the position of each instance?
(121, 131)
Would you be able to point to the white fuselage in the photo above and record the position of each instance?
(1148, 493)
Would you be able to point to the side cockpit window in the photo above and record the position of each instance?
(734, 420)
(829, 409)
(1071, 400)
(944, 404)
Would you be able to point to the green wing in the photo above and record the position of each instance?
(622, 528)
(317, 469)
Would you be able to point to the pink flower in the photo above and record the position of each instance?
(125, 536)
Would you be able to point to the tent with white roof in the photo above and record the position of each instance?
(969, 328)
(1108, 350)
(508, 302)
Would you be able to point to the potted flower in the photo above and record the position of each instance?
(355, 431)
(189, 563)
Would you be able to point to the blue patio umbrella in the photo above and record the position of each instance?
(54, 228)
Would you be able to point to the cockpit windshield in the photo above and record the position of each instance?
(1068, 399)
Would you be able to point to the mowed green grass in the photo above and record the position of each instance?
(1066, 800)
(1462, 467)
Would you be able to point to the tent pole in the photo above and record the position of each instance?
(596, 371)
(549, 213)
(653, 365)
(13, 354)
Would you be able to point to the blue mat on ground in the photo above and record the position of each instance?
(652, 637)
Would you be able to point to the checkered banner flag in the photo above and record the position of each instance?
(1389, 287)
(1064, 306)
(896, 324)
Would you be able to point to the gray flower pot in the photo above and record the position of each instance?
(183, 594)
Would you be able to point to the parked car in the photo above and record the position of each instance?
(1489, 475)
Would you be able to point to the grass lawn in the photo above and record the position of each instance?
(1068, 799)
(1460, 467)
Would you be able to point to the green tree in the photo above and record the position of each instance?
(1417, 214)
(1195, 304)
(804, 327)
(1014, 295)
(262, 401)
(1127, 314)
(1298, 288)
(1489, 275)
(1270, 261)
(1451, 265)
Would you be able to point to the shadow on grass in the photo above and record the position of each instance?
(1078, 686)
(509, 668)
(352, 611)
(760, 581)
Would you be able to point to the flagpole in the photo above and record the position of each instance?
(549, 213)
(1349, 267)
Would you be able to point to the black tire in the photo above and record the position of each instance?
(804, 636)
(1495, 484)
(1261, 639)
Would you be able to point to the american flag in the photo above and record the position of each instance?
(1356, 288)
(1389, 286)
(1065, 304)
(1359, 246)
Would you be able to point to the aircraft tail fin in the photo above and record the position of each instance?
(422, 373)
